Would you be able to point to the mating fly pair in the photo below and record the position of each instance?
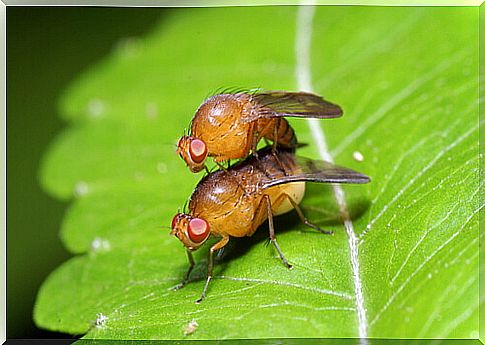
(270, 182)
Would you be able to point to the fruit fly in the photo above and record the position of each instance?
(229, 126)
(258, 190)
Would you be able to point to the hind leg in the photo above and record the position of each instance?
(303, 219)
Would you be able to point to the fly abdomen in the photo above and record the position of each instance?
(286, 136)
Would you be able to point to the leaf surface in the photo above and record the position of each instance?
(407, 81)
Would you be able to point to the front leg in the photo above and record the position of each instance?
(218, 245)
(187, 274)
(222, 167)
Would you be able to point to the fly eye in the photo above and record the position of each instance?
(198, 230)
(197, 150)
(175, 220)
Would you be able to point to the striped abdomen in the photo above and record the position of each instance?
(285, 135)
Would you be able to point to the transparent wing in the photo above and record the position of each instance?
(271, 104)
(304, 169)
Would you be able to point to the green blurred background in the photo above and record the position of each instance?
(46, 49)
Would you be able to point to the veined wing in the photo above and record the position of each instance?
(309, 170)
(269, 104)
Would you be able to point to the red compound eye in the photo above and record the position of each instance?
(198, 230)
(175, 220)
(197, 150)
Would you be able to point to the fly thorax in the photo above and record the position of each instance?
(218, 123)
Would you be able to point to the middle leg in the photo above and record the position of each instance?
(272, 236)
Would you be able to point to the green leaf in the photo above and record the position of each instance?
(407, 80)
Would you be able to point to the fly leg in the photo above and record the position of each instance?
(280, 165)
(254, 144)
(303, 219)
(276, 128)
(222, 167)
(274, 149)
(210, 265)
(254, 140)
(187, 274)
(272, 236)
(258, 163)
